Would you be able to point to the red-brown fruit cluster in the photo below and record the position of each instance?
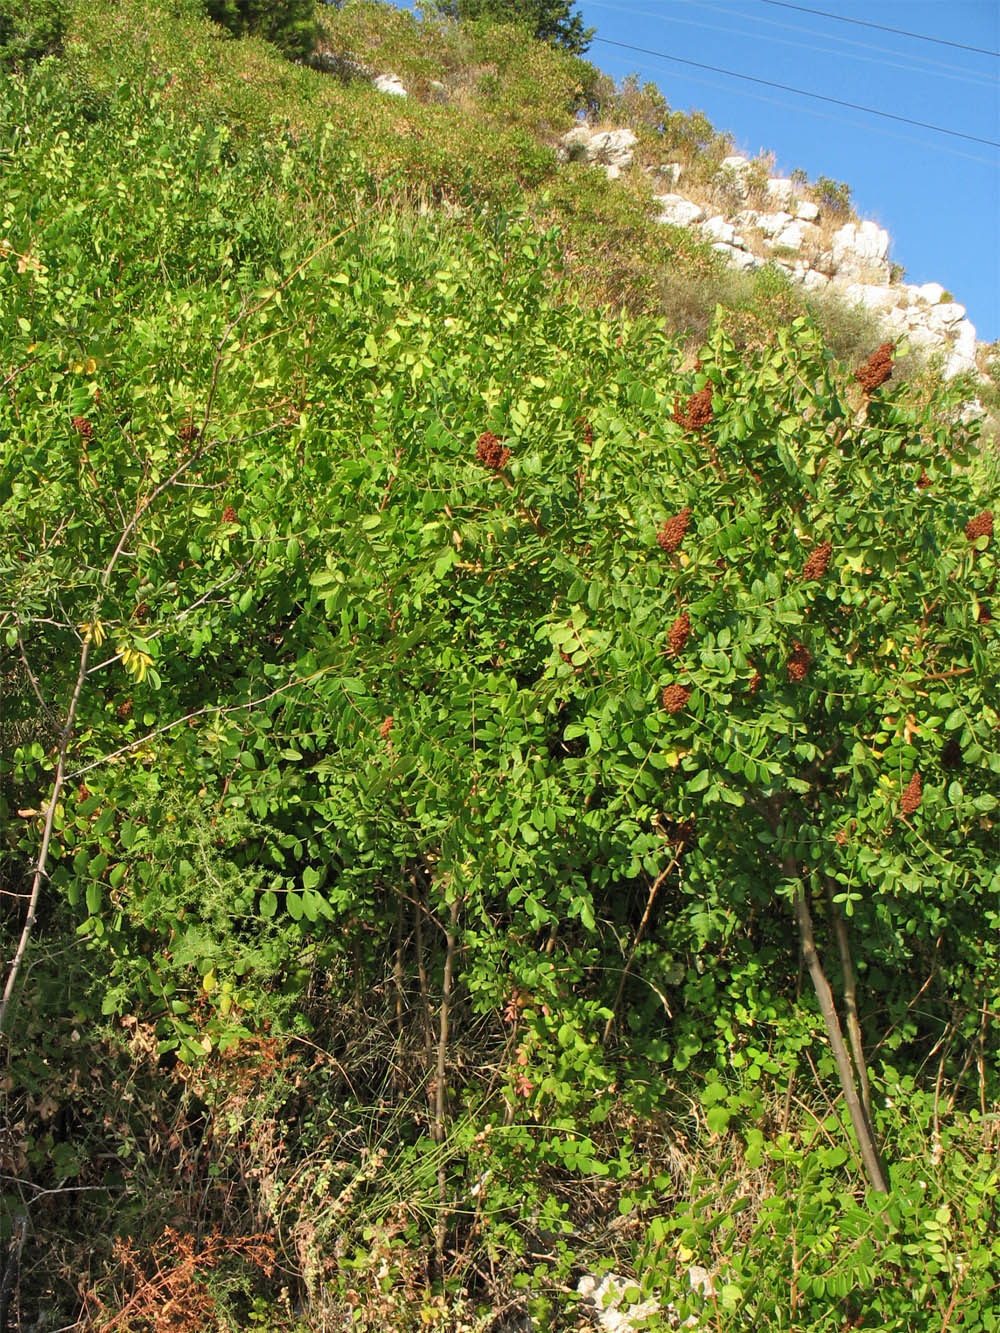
(385, 728)
(141, 612)
(491, 452)
(671, 534)
(923, 481)
(588, 433)
(82, 792)
(756, 680)
(980, 526)
(912, 795)
(83, 427)
(229, 515)
(680, 632)
(125, 710)
(680, 832)
(189, 432)
(876, 370)
(675, 698)
(698, 413)
(799, 662)
(819, 558)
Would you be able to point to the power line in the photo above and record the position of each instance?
(801, 92)
(863, 23)
(939, 68)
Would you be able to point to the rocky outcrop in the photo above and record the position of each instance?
(615, 1315)
(610, 149)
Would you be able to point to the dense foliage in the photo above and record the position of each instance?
(438, 717)
(548, 20)
(289, 24)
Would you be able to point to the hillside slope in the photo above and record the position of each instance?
(475, 768)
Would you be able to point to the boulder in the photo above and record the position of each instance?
(736, 257)
(735, 163)
(872, 296)
(814, 281)
(718, 229)
(675, 209)
(612, 148)
(962, 355)
(860, 251)
(945, 315)
(771, 223)
(807, 211)
(931, 292)
(607, 1297)
(794, 235)
(780, 191)
(391, 84)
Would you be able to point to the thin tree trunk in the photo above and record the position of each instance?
(635, 944)
(862, 1127)
(440, 1092)
(850, 1001)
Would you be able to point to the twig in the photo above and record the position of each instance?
(636, 942)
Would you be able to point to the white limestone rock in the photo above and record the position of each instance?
(737, 163)
(871, 295)
(678, 211)
(860, 251)
(737, 258)
(806, 211)
(607, 1297)
(391, 84)
(771, 223)
(945, 315)
(612, 148)
(962, 356)
(814, 281)
(746, 217)
(931, 292)
(795, 235)
(718, 229)
(780, 191)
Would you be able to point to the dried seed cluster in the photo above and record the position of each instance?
(671, 534)
(385, 728)
(912, 795)
(678, 635)
(698, 413)
(83, 427)
(799, 662)
(923, 480)
(229, 515)
(189, 432)
(980, 526)
(588, 432)
(675, 697)
(876, 370)
(491, 452)
(756, 680)
(819, 558)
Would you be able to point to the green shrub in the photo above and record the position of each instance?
(289, 24)
(30, 29)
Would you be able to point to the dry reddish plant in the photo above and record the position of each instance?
(923, 480)
(491, 453)
(876, 370)
(819, 558)
(172, 1298)
(587, 431)
(980, 526)
(125, 710)
(83, 428)
(189, 432)
(229, 515)
(671, 534)
(385, 728)
(799, 662)
(698, 413)
(756, 680)
(912, 795)
(680, 632)
(675, 697)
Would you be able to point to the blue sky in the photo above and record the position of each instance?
(938, 197)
